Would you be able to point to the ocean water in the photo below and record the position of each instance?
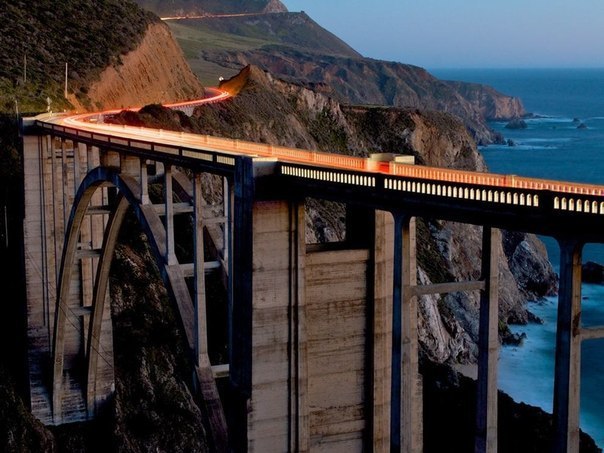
(552, 147)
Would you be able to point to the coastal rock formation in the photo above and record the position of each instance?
(516, 124)
(374, 82)
(491, 104)
(275, 6)
(528, 261)
(592, 273)
(271, 110)
(155, 71)
(295, 48)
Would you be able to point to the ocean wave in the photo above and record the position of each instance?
(550, 119)
(520, 147)
(546, 140)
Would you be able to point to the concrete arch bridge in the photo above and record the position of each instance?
(322, 341)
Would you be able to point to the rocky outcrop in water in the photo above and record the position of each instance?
(592, 273)
(491, 104)
(516, 124)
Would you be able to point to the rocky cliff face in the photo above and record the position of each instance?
(274, 111)
(155, 71)
(448, 251)
(488, 102)
(275, 6)
(374, 82)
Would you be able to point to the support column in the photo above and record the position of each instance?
(144, 181)
(64, 183)
(405, 414)
(201, 340)
(226, 207)
(380, 363)
(240, 304)
(567, 377)
(412, 399)
(211, 403)
(488, 345)
(169, 204)
(298, 412)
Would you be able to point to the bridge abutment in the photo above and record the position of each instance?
(321, 336)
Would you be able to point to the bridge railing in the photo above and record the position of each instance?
(474, 187)
(357, 171)
(139, 146)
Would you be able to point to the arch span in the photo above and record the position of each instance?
(129, 195)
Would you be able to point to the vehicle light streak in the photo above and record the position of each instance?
(90, 122)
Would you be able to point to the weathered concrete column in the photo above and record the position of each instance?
(405, 416)
(65, 183)
(130, 165)
(383, 251)
(201, 341)
(277, 412)
(36, 244)
(169, 217)
(488, 345)
(56, 205)
(144, 181)
(240, 304)
(567, 378)
(226, 207)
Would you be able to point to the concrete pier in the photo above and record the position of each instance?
(313, 309)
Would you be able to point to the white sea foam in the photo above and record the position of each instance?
(526, 372)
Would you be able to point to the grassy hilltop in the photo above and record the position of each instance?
(191, 7)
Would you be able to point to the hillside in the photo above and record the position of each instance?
(45, 35)
(117, 55)
(155, 71)
(198, 7)
(39, 38)
(294, 47)
(271, 110)
(293, 115)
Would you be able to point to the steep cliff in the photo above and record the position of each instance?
(271, 110)
(297, 116)
(39, 39)
(488, 102)
(155, 71)
(110, 53)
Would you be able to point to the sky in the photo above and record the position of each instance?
(467, 33)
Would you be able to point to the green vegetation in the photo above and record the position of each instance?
(175, 7)
(295, 30)
(272, 33)
(325, 129)
(39, 38)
